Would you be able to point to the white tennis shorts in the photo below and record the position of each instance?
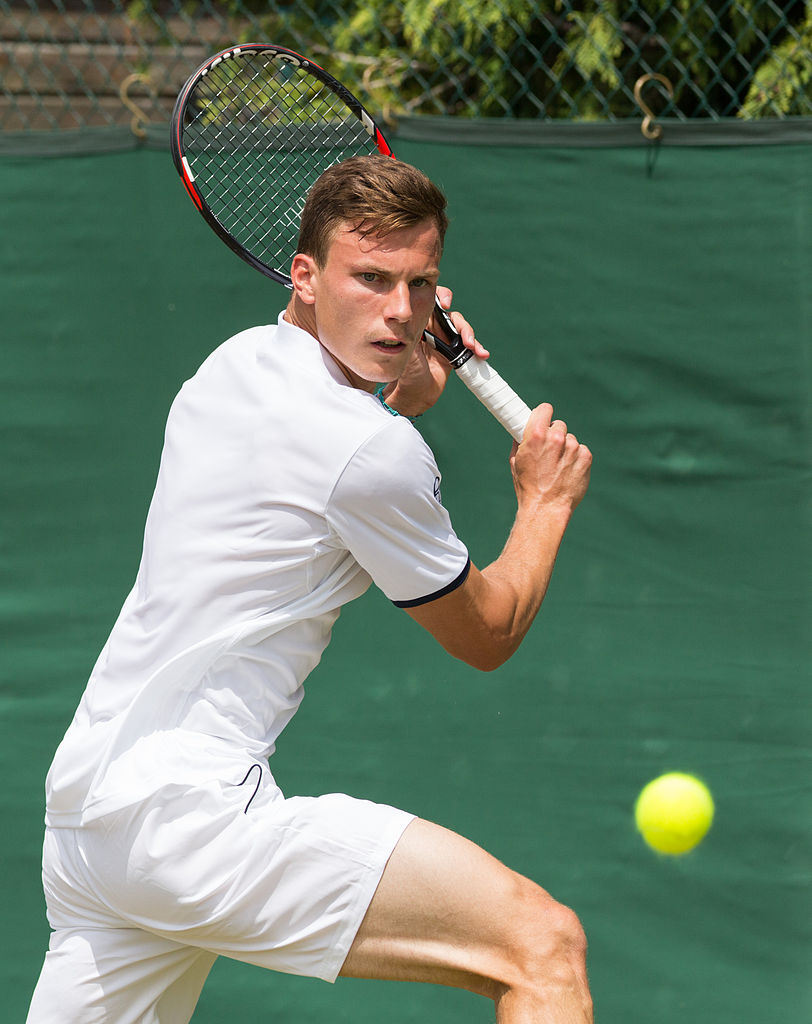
(143, 901)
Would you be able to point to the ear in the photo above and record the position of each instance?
(303, 273)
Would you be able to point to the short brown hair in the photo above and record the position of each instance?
(375, 194)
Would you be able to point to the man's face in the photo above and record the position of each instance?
(372, 299)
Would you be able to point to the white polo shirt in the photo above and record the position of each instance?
(282, 492)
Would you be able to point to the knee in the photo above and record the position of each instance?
(548, 943)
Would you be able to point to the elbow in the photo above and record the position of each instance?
(490, 655)
(488, 665)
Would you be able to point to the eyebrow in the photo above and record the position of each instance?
(370, 268)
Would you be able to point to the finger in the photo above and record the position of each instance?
(466, 332)
(559, 426)
(481, 351)
(464, 329)
(540, 418)
(478, 349)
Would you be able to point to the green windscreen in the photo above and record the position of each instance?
(666, 312)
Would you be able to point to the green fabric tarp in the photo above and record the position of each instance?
(665, 308)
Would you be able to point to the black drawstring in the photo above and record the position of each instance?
(256, 788)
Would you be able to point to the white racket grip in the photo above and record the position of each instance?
(496, 395)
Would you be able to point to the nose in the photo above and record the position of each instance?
(399, 303)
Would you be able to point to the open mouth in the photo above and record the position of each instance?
(389, 345)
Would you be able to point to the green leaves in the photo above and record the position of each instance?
(549, 59)
(781, 86)
(574, 60)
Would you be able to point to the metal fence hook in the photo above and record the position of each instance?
(648, 128)
(140, 118)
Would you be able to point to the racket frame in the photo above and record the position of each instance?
(182, 164)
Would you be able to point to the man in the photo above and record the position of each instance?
(289, 479)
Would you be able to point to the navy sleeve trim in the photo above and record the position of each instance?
(463, 576)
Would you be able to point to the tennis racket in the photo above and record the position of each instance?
(252, 130)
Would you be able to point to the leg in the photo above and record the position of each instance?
(449, 913)
(99, 968)
(100, 975)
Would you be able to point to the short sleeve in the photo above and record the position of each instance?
(387, 511)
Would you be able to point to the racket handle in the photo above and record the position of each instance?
(496, 395)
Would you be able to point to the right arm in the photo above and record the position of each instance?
(485, 619)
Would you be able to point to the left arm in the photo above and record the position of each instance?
(485, 619)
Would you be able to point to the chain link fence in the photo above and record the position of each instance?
(67, 64)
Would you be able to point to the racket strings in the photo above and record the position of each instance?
(258, 132)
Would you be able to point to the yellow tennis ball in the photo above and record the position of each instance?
(674, 812)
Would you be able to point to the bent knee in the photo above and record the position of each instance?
(545, 962)
(548, 940)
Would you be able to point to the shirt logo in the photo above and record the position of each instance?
(437, 494)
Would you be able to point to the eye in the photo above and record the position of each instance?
(369, 277)
(420, 282)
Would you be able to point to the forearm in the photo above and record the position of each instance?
(485, 620)
(518, 579)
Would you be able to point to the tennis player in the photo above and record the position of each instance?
(288, 482)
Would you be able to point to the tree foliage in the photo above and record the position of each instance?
(577, 60)
(783, 77)
(572, 59)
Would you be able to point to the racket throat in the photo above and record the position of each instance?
(450, 352)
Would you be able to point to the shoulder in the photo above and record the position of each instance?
(392, 476)
(392, 456)
(238, 347)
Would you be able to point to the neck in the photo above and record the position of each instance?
(302, 315)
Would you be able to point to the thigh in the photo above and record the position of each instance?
(445, 912)
(278, 883)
